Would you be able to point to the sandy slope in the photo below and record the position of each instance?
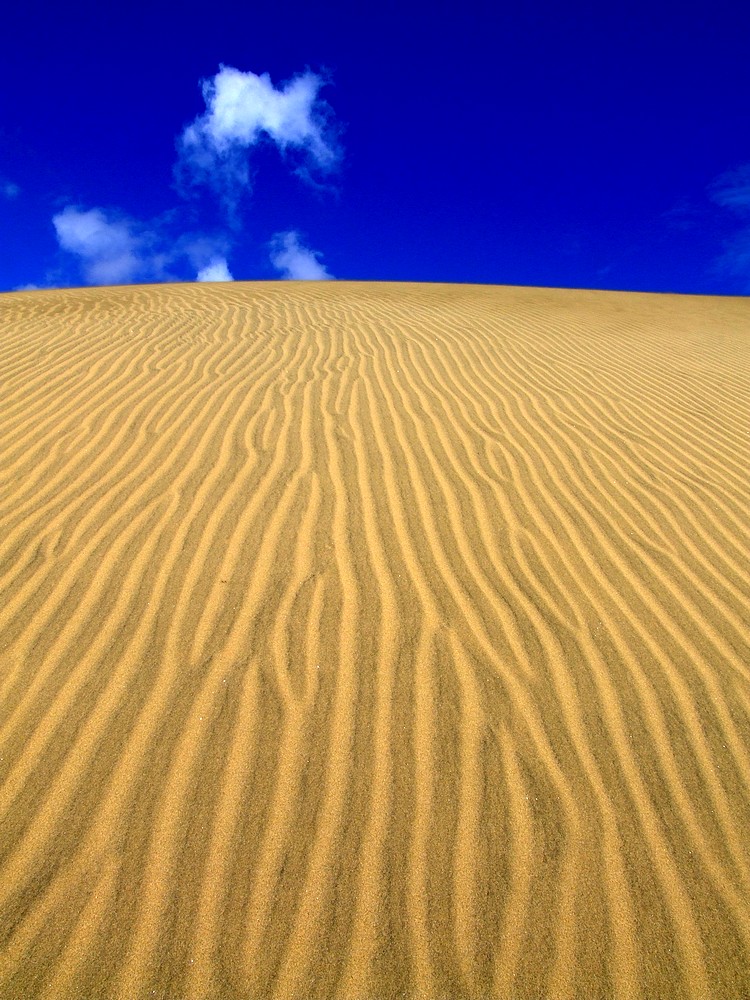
(374, 641)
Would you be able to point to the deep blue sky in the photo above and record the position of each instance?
(597, 146)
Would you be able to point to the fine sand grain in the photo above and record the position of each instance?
(374, 641)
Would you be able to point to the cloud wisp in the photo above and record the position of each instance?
(9, 189)
(113, 249)
(244, 109)
(731, 191)
(735, 258)
(217, 269)
(296, 262)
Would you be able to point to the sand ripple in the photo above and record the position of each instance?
(374, 641)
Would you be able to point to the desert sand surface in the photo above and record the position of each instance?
(368, 641)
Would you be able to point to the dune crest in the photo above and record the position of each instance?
(368, 641)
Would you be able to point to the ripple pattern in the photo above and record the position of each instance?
(364, 641)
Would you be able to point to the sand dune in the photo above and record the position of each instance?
(374, 641)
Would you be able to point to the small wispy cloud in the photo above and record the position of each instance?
(113, 249)
(735, 258)
(244, 109)
(206, 254)
(684, 215)
(216, 270)
(9, 189)
(294, 261)
(731, 191)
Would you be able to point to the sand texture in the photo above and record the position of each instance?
(366, 641)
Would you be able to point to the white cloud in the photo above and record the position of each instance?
(295, 261)
(243, 109)
(9, 189)
(111, 251)
(216, 270)
(201, 249)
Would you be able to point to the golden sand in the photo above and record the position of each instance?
(374, 641)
